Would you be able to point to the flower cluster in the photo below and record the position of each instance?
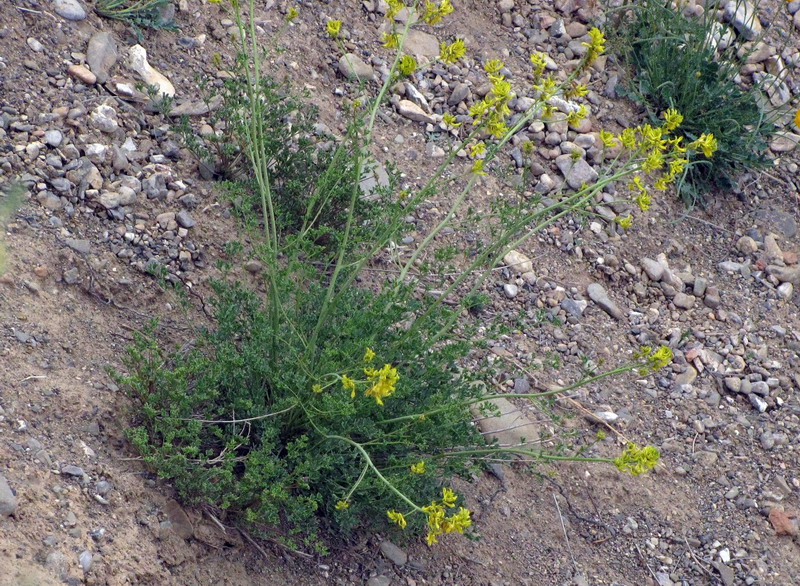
(433, 13)
(637, 460)
(439, 523)
(383, 382)
(656, 359)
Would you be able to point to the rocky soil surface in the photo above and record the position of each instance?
(111, 192)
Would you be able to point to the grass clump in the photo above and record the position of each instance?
(674, 62)
(330, 399)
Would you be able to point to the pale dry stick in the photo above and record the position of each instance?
(217, 521)
(564, 528)
(641, 555)
(303, 554)
(33, 376)
(234, 421)
(570, 400)
(695, 558)
(712, 224)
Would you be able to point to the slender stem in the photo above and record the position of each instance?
(531, 453)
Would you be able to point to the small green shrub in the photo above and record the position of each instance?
(673, 63)
(337, 400)
(139, 14)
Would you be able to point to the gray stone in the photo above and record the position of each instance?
(687, 377)
(785, 291)
(181, 524)
(155, 187)
(185, 220)
(518, 262)
(598, 294)
(124, 196)
(8, 500)
(576, 172)
(101, 55)
(374, 179)
(53, 138)
(653, 269)
(137, 60)
(69, 9)
(699, 287)
(733, 384)
(684, 301)
(510, 290)
(71, 470)
(379, 581)
(746, 245)
(393, 553)
(353, 68)
(79, 245)
(573, 307)
(460, 93)
(85, 561)
(104, 118)
(757, 402)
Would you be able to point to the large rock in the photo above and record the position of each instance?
(137, 60)
(576, 171)
(408, 109)
(744, 18)
(101, 55)
(518, 262)
(69, 9)
(8, 500)
(353, 68)
(421, 44)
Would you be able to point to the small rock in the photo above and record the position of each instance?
(8, 500)
(518, 262)
(653, 269)
(79, 245)
(181, 524)
(712, 298)
(253, 266)
(785, 274)
(82, 74)
(394, 553)
(460, 93)
(408, 109)
(783, 523)
(421, 44)
(574, 307)
(727, 574)
(56, 562)
(185, 220)
(353, 68)
(599, 295)
(687, 377)
(785, 291)
(744, 18)
(684, 301)
(746, 245)
(510, 290)
(104, 118)
(757, 402)
(71, 470)
(379, 581)
(53, 138)
(69, 9)
(85, 561)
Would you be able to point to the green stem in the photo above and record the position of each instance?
(532, 454)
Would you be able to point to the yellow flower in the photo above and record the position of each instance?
(368, 355)
(383, 382)
(501, 89)
(493, 66)
(342, 505)
(477, 149)
(449, 497)
(317, 388)
(637, 460)
(452, 52)
(497, 128)
(334, 27)
(477, 167)
(398, 518)
(390, 40)
(677, 165)
(450, 120)
(706, 143)
(395, 6)
(407, 65)
(644, 200)
(672, 119)
(660, 358)
(596, 45)
(478, 110)
(547, 88)
(349, 385)
(608, 139)
(797, 119)
(292, 14)
(419, 467)
(575, 116)
(539, 63)
(433, 13)
(578, 90)
(625, 222)
(654, 161)
(628, 138)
